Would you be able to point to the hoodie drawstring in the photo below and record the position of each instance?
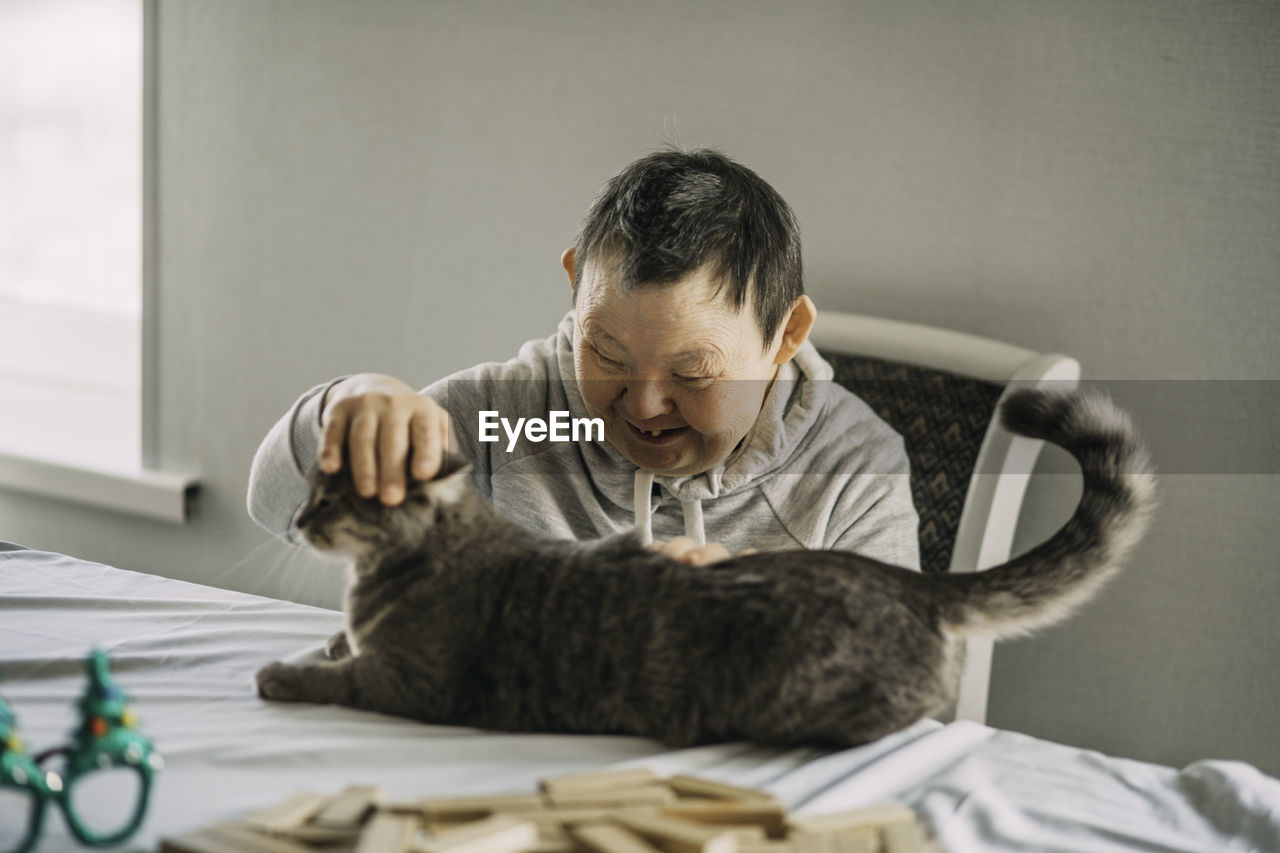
(693, 521)
(692, 510)
(643, 505)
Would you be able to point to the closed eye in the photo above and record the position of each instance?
(604, 360)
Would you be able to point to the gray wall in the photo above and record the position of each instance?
(388, 185)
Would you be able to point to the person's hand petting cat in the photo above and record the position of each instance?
(685, 550)
(378, 420)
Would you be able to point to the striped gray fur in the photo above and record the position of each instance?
(1046, 584)
(457, 615)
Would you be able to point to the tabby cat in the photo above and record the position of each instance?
(456, 615)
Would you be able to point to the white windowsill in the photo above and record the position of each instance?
(152, 494)
(71, 413)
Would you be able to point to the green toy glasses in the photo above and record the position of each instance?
(103, 783)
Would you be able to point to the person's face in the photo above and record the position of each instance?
(674, 360)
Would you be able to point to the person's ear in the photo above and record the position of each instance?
(566, 261)
(796, 330)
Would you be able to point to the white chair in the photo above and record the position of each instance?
(940, 390)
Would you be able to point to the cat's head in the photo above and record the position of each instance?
(336, 519)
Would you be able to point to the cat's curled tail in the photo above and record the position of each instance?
(1046, 584)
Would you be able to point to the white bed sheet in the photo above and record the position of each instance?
(187, 655)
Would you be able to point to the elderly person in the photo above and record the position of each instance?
(688, 339)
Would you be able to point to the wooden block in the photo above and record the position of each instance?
(554, 833)
(769, 815)
(234, 838)
(324, 835)
(765, 846)
(436, 827)
(553, 817)
(676, 835)
(387, 833)
(496, 834)
(871, 816)
(693, 786)
(197, 842)
(807, 842)
(859, 840)
(349, 809)
(648, 795)
(863, 839)
(474, 808)
(746, 834)
(610, 838)
(563, 844)
(904, 838)
(289, 813)
(608, 780)
(247, 837)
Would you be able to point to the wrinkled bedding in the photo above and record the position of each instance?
(188, 653)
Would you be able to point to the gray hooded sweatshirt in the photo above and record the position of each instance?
(818, 470)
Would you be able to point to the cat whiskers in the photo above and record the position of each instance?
(252, 560)
(292, 572)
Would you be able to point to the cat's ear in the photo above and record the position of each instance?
(450, 488)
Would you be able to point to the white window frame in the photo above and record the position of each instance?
(137, 489)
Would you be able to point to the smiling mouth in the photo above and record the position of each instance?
(657, 436)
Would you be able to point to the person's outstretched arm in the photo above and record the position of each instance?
(377, 422)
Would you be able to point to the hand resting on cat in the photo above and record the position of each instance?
(455, 615)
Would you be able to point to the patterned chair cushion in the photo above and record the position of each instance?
(942, 418)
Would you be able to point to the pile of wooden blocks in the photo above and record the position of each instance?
(621, 811)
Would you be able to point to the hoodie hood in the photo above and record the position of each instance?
(793, 403)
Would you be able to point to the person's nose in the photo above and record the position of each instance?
(647, 399)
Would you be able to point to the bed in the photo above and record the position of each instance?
(187, 655)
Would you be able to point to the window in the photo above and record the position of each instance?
(71, 248)
(71, 230)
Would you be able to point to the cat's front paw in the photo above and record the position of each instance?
(337, 648)
(279, 682)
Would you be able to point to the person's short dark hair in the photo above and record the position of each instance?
(671, 212)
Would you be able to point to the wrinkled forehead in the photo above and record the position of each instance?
(695, 306)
